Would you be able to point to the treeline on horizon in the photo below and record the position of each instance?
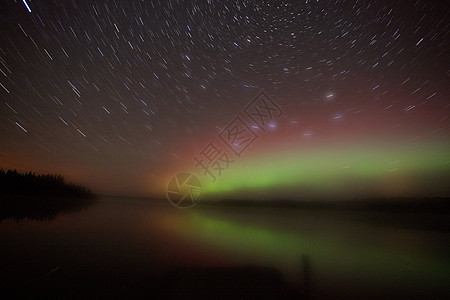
(17, 184)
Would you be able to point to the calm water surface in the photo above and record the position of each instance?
(132, 242)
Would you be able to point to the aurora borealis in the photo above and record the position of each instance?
(122, 95)
(398, 171)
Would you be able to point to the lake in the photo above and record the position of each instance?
(122, 247)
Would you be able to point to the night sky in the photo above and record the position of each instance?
(122, 95)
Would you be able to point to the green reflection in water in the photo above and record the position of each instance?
(331, 253)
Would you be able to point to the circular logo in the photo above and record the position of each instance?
(184, 190)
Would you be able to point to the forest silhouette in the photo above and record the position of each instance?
(39, 197)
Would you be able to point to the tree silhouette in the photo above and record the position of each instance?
(39, 197)
(14, 183)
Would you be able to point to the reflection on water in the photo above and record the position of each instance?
(40, 209)
(136, 246)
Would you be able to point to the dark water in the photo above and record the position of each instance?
(130, 247)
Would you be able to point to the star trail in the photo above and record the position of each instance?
(122, 95)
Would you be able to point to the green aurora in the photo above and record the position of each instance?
(387, 171)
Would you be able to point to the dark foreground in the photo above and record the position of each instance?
(248, 282)
(131, 248)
